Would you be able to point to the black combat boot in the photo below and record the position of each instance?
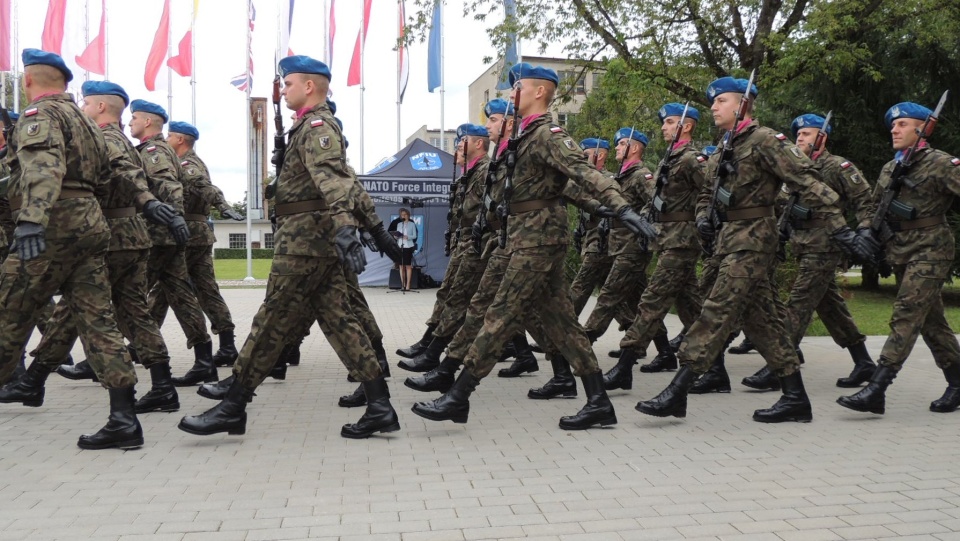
(228, 416)
(671, 401)
(951, 397)
(429, 358)
(793, 406)
(666, 359)
(439, 379)
(122, 430)
(290, 354)
(452, 406)
(597, 411)
(714, 380)
(675, 341)
(536, 348)
(509, 352)
(203, 369)
(863, 367)
(279, 370)
(354, 399)
(20, 369)
(80, 371)
(621, 375)
(379, 417)
(525, 363)
(418, 347)
(562, 384)
(872, 398)
(29, 389)
(746, 346)
(162, 395)
(227, 354)
(218, 390)
(762, 380)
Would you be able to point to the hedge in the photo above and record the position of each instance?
(241, 253)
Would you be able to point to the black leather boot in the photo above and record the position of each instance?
(122, 430)
(950, 400)
(863, 367)
(218, 390)
(509, 352)
(418, 347)
(872, 398)
(675, 341)
(379, 417)
(536, 348)
(429, 358)
(203, 369)
(290, 354)
(597, 411)
(80, 371)
(279, 370)
(621, 375)
(452, 406)
(354, 399)
(162, 395)
(228, 416)
(439, 379)
(20, 370)
(715, 380)
(665, 360)
(615, 353)
(671, 401)
(762, 380)
(29, 389)
(526, 363)
(746, 346)
(793, 406)
(562, 383)
(227, 354)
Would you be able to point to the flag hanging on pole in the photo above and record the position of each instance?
(158, 52)
(434, 67)
(353, 78)
(285, 26)
(244, 81)
(403, 74)
(182, 63)
(94, 57)
(510, 58)
(52, 38)
(6, 36)
(333, 30)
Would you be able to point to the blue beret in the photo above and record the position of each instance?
(185, 128)
(525, 70)
(498, 106)
(147, 107)
(676, 109)
(104, 88)
(906, 109)
(808, 120)
(707, 151)
(729, 84)
(13, 115)
(333, 107)
(472, 130)
(593, 142)
(32, 57)
(631, 133)
(303, 64)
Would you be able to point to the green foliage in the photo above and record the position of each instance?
(241, 253)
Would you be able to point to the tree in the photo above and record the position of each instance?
(240, 207)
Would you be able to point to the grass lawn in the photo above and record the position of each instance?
(236, 269)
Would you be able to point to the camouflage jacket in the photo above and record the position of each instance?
(314, 169)
(6, 218)
(199, 194)
(471, 201)
(546, 158)
(127, 188)
(844, 178)
(636, 184)
(763, 160)
(685, 181)
(57, 147)
(935, 176)
(365, 211)
(164, 177)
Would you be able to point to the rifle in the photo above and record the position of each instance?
(605, 224)
(726, 168)
(792, 209)
(510, 160)
(279, 139)
(581, 230)
(454, 186)
(7, 130)
(487, 204)
(663, 170)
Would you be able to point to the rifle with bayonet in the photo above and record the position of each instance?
(663, 170)
(582, 218)
(606, 223)
(454, 186)
(510, 161)
(487, 203)
(279, 138)
(792, 210)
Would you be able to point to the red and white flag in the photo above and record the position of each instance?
(94, 57)
(332, 30)
(182, 63)
(285, 26)
(354, 77)
(64, 33)
(158, 51)
(6, 36)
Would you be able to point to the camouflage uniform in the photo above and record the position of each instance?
(594, 266)
(52, 184)
(453, 265)
(198, 196)
(167, 268)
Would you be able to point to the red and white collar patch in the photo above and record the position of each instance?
(701, 158)
(31, 111)
(152, 148)
(955, 161)
(184, 162)
(556, 129)
(781, 136)
(316, 122)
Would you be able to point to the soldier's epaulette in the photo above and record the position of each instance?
(955, 161)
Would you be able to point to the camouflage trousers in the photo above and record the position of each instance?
(452, 267)
(533, 280)
(593, 272)
(743, 286)
(918, 311)
(708, 276)
(622, 288)
(199, 260)
(127, 272)
(464, 286)
(674, 281)
(815, 289)
(167, 270)
(305, 289)
(76, 267)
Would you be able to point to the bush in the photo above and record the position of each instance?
(241, 253)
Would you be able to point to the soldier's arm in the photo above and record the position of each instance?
(365, 211)
(580, 198)
(787, 161)
(857, 191)
(130, 180)
(709, 170)
(323, 157)
(559, 151)
(41, 152)
(951, 174)
(163, 177)
(199, 180)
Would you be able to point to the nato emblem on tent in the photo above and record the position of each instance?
(426, 161)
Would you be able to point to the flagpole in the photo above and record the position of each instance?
(193, 66)
(326, 33)
(399, 68)
(106, 42)
(86, 33)
(442, 85)
(363, 23)
(169, 71)
(250, 191)
(16, 56)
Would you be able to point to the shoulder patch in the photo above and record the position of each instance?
(796, 151)
(184, 162)
(316, 122)
(33, 129)
(325, 141)
(556, 129)
(155, 159)
(568, 143)
(856, 178)
(648, 176)
(955, 161)
(31, 111)
(701, 158)
(845, 165)
(152, 148)
(781, 136)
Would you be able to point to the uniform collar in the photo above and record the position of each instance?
(923, 146)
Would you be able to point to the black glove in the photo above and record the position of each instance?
(446, 242)
(28, 241)
(858, 247)
(785, 235)
(386, 244)
(159, 213)
(476, 234)
(232, 214)
(578, 239)
(273, 221)
(178, 228)
(605, 212)
(869, 236)
(706, 231)
(349, 250)
(636, 223)
(270, 190)
(366, 239)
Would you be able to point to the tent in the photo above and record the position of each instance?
(417, 178)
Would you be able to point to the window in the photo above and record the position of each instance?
(573, 80)
(486, 96)
(564, 119)
(238, 240)
(596, 79)
(268, 241)
(435, 141)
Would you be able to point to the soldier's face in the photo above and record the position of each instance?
(623, 148)
(293, 91)
(669, 128)
(904, 132)
(724, 110)
(494, 124)
(137, 125)
(805, 139)
(601, 159)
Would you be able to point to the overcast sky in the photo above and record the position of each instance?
(220, 54)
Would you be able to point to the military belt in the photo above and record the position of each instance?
(194, 217)
(534, 204)
(802, 225)
(65, 193)
(749, 213)
(299, 207)
(919, 223)
(679, 216)
(120, 212)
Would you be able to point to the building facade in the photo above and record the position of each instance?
(432, 136)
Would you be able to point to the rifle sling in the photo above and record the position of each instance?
(749, 213)
(919, 223)
(120, 212)
(534, 204)
(299, 207)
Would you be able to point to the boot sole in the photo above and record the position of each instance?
(123, 445)
(235, 431)
(878, 411)
(791, 419)
(942, 410)
(344, 404)
(459, 419)
(615, 386)
(409, 354)
(163, 409)
(27, 403)
(851, 385)
(78, 378)
(213, 378)
(563, 394)
(502, 374)
(395, 427)
(609, 421)
(655, 371)
(759, 387)
(721, 390)
(659, 413)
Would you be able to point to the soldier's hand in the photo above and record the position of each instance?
(868, 235)
(604, 212)
(349, 250)
(705, 230)
(178, 228)
(785, 234)
(636, 223)
(273, 221)
(28, 241)
(159, 213)
(476, 231)
(385, 243)
(858, 247)
(366, 239)
(232, 214)
(578, 239)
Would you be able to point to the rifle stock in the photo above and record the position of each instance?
(510, 161)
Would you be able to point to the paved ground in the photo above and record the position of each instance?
(508, 473)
